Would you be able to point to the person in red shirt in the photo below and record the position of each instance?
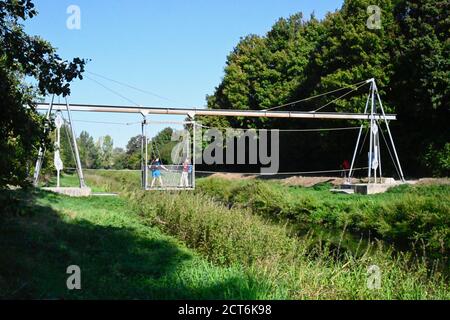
(345, 167)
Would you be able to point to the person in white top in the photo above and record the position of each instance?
(184, 180)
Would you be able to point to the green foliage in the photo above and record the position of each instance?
(33, 56)
(298, 59)
(67, 153)
(293, 267)
(134, 144)
(21, 129)
(438, 160)
(23, 56)
(106, 146)
(120, 257)
(93, 155)
(132, 159)
(262, 72)
(161, 146)
(406, 216)
(119, 159)
(89, 152)
(423, 102)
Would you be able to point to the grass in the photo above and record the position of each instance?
(293, 267)
(67, 180)
(120, 257)
(227, 240)
(411, 217)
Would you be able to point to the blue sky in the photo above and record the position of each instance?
(173, 48)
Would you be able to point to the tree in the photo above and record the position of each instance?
(409, 57)
(105, 145)
(134, 144)
(89, 153)
(21, 130)
(262, 72)
(119, 159)
(133, 153)
(21, 55)
(67, 152)
(161, 145)
(422, 79)
(348, 52)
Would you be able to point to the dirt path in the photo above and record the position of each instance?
(308, 181)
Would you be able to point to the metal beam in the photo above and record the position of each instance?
(191, 112)
(40, 159)
(75, 147)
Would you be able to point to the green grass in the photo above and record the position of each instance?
(294, 267)
(227, 240)
(411, 217)
(41, 234)
(67, 180)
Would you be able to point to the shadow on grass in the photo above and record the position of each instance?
(38, 245)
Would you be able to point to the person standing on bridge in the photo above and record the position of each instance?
(187, 169)
(156, 167)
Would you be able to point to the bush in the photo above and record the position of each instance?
(438, 160)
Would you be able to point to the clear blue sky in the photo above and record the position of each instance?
(174, 48)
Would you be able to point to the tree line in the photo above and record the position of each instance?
(409, 56)
(101, 153)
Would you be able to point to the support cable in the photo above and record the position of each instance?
(282, 173)
(69, 140)
(364, 142)
(281, 130)
(157, 150)
(107, 122)
(131, 87)
(113, 91)
(360, 151)
(340, 97)
(317, 96)
(389, 150)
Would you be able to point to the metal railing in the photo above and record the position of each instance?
(170, 177)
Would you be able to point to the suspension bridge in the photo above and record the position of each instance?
(373, 115)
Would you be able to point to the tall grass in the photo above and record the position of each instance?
(298, 268)
(407, 216)
(120, 257)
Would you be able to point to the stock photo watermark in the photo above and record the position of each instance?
(216, 146)
(373, 277)
(74, 280)
(374, 20)
(73, 21)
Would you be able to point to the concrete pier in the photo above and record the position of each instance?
(367, 188)
(71, 192)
